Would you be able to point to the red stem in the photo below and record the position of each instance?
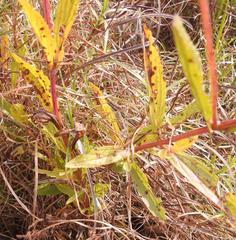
(47, 12)
(52, 77)
(221, 126)
(207, 29)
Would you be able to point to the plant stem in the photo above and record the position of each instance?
(52, 77)
(221, 126)
(207, 29)
(47, 12)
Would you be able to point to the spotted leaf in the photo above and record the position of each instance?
(41, 30)
(39, 81)
(156, 83)
(106, 112)
(65, 16)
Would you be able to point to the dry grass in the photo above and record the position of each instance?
(110, 55)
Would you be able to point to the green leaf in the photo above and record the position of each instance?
(188, 111)
(66, 189)
(101, 189)
(103, 11)
(65, 16)
(143, 188)
(156, 83)
(41, 30)
(98, 157)
(192, 66)
(40, 82)
(47, 189)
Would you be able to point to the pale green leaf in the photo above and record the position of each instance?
(50, 130)
(200, 169)
(98, 157)
(193, 178)
(192, 66)
(144, 189)
(188, 111)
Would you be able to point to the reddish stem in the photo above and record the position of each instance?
(207, 29)
(52, 77)
(47, 12)
(222, 126)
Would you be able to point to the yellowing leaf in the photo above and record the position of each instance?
(192, 66)
(183, 144)
(65, 16)
(230, 205)
(105, 111)
(4, 43)
(14, 66)
(144, 189)
(17, 111)
(37, 78)
(41, 30)
(98, 157)
(156, 84)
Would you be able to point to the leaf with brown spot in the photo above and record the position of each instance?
(106, 112)
(65, 16)
(37, 78)
(156, 83)
(41, 30)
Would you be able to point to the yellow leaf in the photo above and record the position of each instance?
(105, 111)
(17, 111)
(37, 78)
(4, 43)
(183, 144)
(156, 83)
(41, 30)
(65, 16)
